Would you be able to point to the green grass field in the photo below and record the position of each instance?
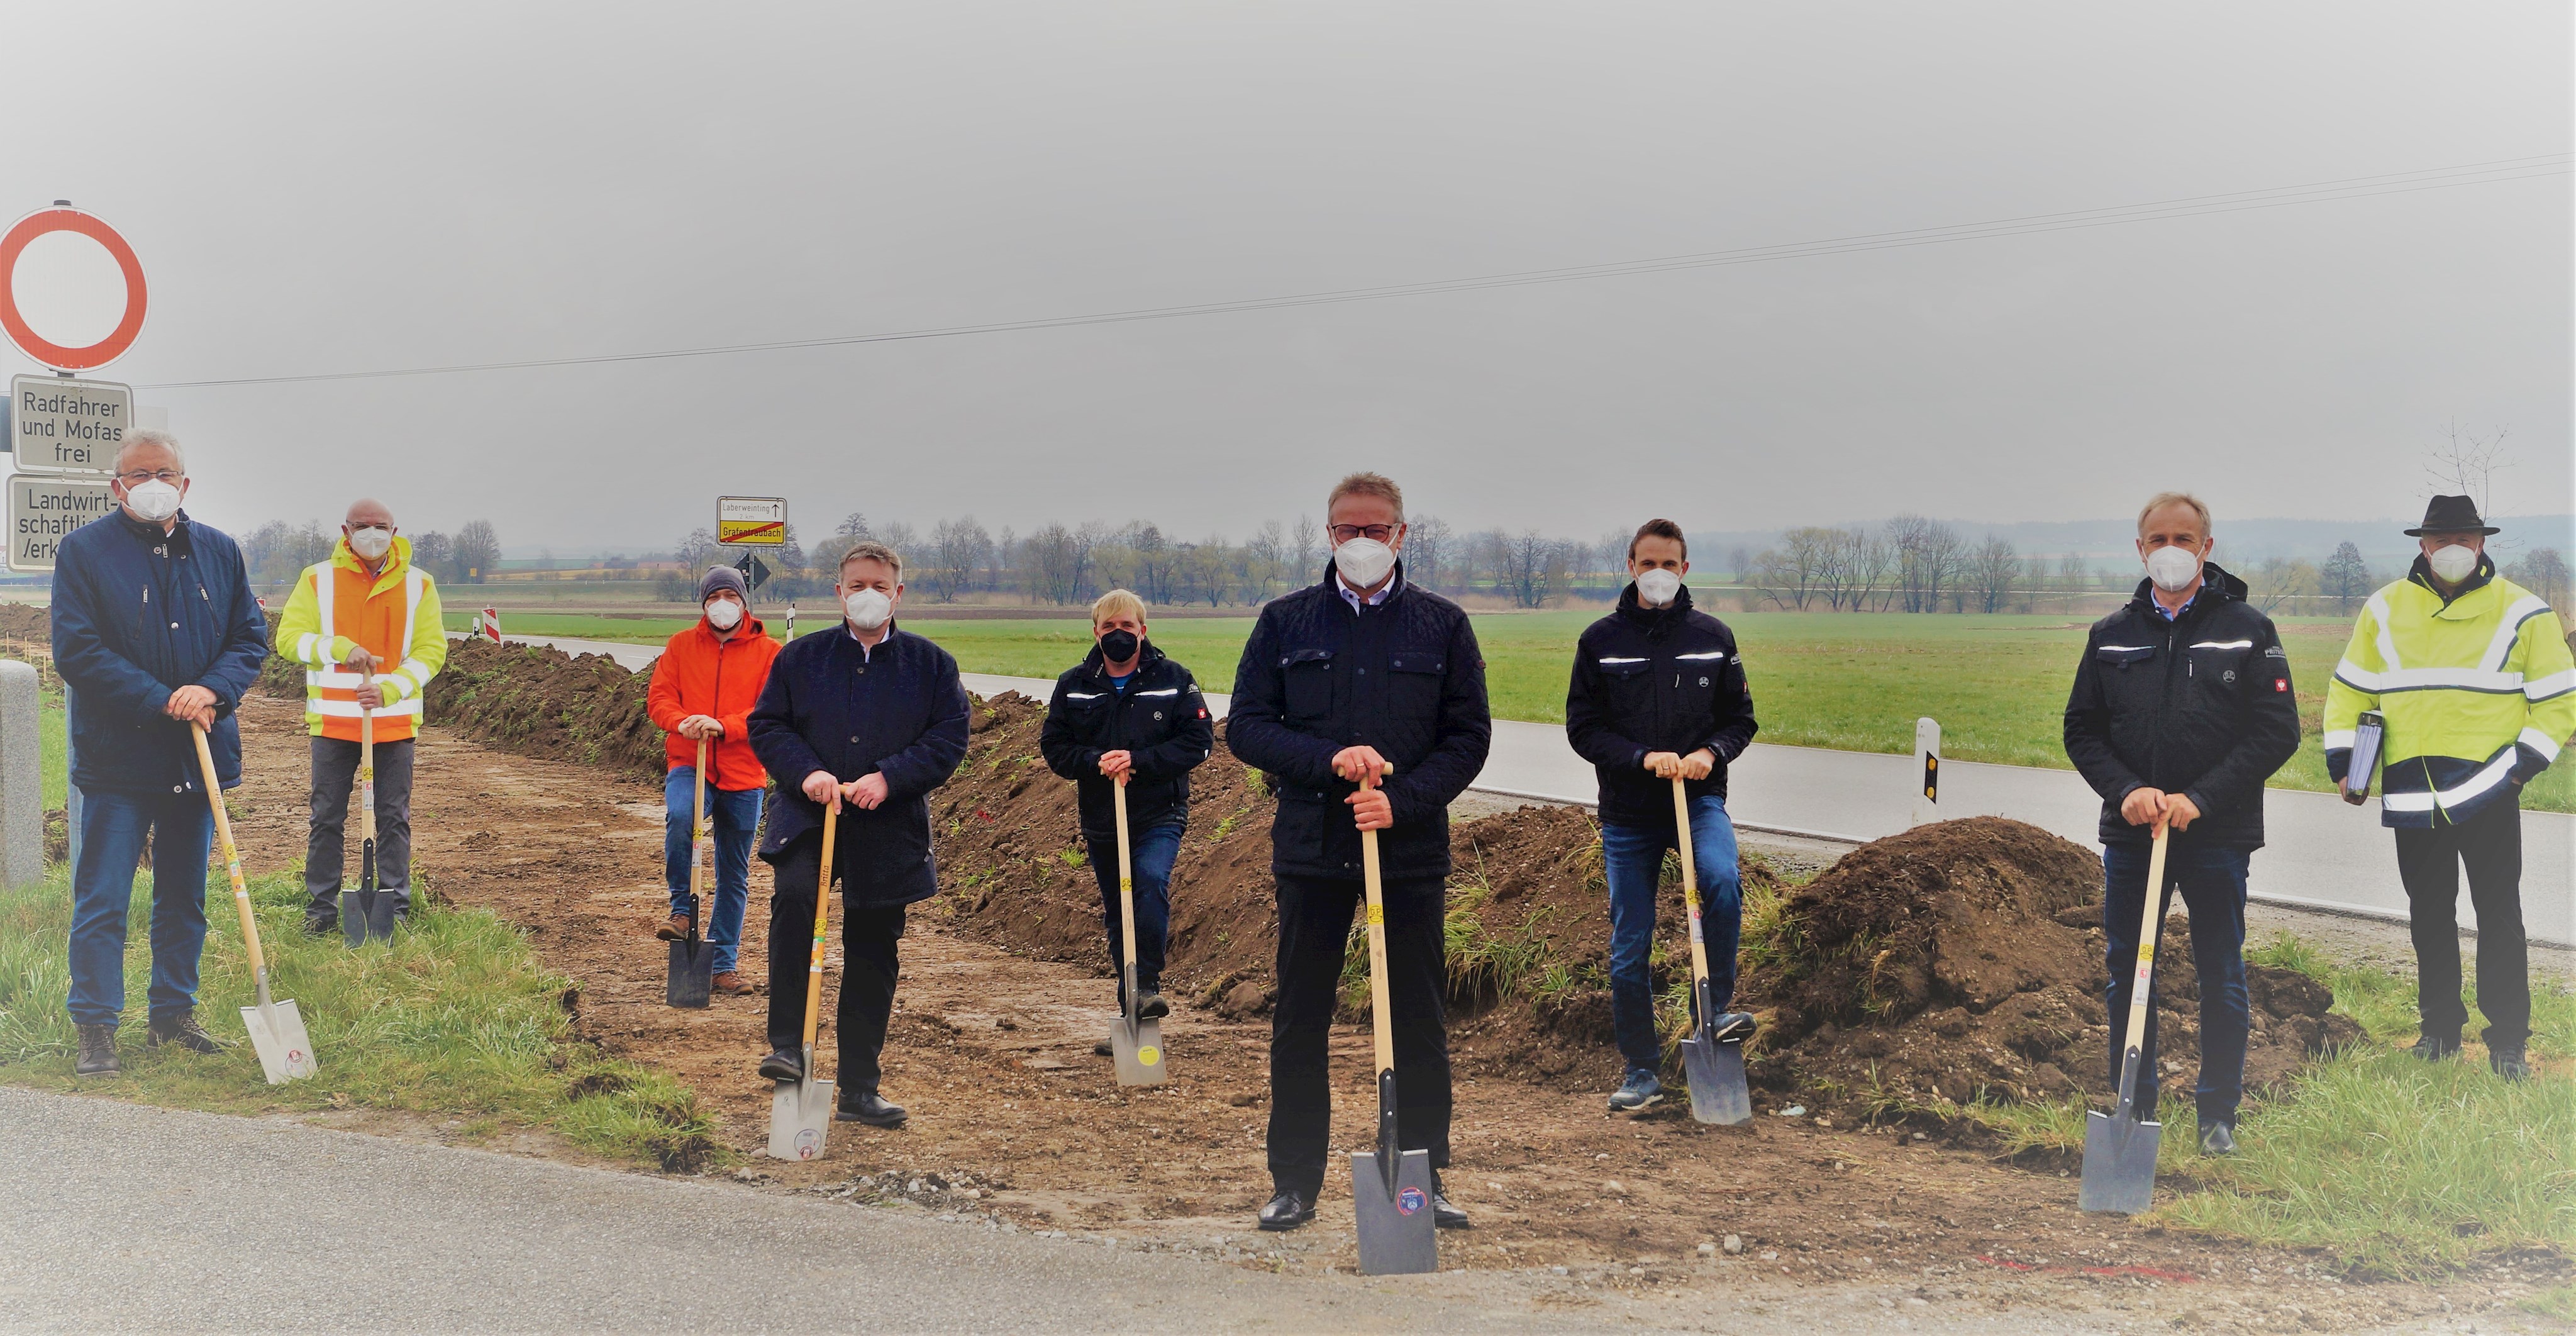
(1847, 681)
(455, 1018)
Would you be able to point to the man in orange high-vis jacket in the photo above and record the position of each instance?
(704, 685)
(365, 627)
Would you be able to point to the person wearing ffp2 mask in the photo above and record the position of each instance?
(344, 624)
(2181, 708)
(704, 685)
(865, 718)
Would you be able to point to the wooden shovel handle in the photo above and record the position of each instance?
(366, 773)
(2149, 924)
(1690, 882)
(822, 911)
(1381, 1024)
(232, 860)
(1126, 891)
(698, 830)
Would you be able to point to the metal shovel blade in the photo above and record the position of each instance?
(799, 1114)
(2119, 1163)
(1396, 1235)
(277, 1035)
(1138, 1048)
(353, 916)
(693, 973)
(1716, 1074)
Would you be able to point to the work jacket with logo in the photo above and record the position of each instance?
(137, 615)
(1160, 720)
(2200, 705)
(1656, 680)
(720, 677)
(392, 614)
(1404, 676)
(2478, 690)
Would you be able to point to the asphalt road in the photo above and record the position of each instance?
(128, 1218)
(2320, 854)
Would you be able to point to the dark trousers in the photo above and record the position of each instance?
(2212, 882)
(868, 938)
(2429, 862)
(1315, 916)
(1632, 861)
(1150, 854)
(335, 780)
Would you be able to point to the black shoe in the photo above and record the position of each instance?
(2508, 1063)
(183, 1031)
(321, 927)
(1152, 1007)
(1444, 1215)
(1103, 1050)
(2217, 1138)
(2434, 1048)
(97, 1051)
(869, 1107)
(783, 1065)
(1287, 1211)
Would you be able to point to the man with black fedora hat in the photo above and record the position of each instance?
(2475, 692)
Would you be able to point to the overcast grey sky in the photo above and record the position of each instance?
(337, 188)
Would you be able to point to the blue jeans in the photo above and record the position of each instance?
(1151, 852)
(2212, 882)
(113, 828)
(734, 815)
(1632, 857)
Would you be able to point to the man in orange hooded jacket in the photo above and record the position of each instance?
(704, 685)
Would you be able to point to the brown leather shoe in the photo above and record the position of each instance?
(677, 930)
(730, 984)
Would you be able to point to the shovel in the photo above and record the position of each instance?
(1390, 1188)
(801, 1111)
(358, 907)
(693, 959)
(1714, 1069)
(276, 1030)
(1135, 1043)
(2120, 1147)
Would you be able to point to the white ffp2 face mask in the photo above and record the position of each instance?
(371, 542)
(2453, 563)
(2173, 568)
(1656, 588)
(1363, 561)
(723, 613)
(868, 609)
(155, 500)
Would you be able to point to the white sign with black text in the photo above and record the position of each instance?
(61, 425)
(43, 509)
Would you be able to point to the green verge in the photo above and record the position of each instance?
(1842, 681)
(454, 1018)
(2394, 1166)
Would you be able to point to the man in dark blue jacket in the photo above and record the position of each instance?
(1658, 694)
(154, 630)
(868, 718)
(1128, 713)
(2181, 708)
(1339, 680)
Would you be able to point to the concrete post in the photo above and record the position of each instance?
(22, 776)
(1927, 771)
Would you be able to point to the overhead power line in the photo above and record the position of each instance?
(2188, 206)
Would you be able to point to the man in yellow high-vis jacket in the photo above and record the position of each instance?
(2473, 677)
(365, 626)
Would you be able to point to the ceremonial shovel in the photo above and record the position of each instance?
(1715, 1070)
(1135, 1043)
(801, 1112)
(2120, 1147)
(276, 1029)
(1390, 1188)
(693, 959)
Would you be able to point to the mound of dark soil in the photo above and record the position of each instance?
(542, 702)
(27, 634)
(1964, 959)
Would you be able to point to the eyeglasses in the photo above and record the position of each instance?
(1343, 533)
(141, 476)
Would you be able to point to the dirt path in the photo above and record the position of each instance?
(1013, 1115)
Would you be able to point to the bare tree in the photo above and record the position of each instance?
(1797, 573)
(1428, 549)
(2543, 572)
(2074, 577)
(1742, 558)
(956, 547)
(1261, 558)
(2466, 465)
(1302, 539)
(1928, 557)
(1989, 573)
(478, 548)
(1205, 568)
(2346, 576)
(2281, 582)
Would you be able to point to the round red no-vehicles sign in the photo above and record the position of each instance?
(64, 219)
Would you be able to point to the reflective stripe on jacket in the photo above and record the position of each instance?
(2479, 692)
(393, 614)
